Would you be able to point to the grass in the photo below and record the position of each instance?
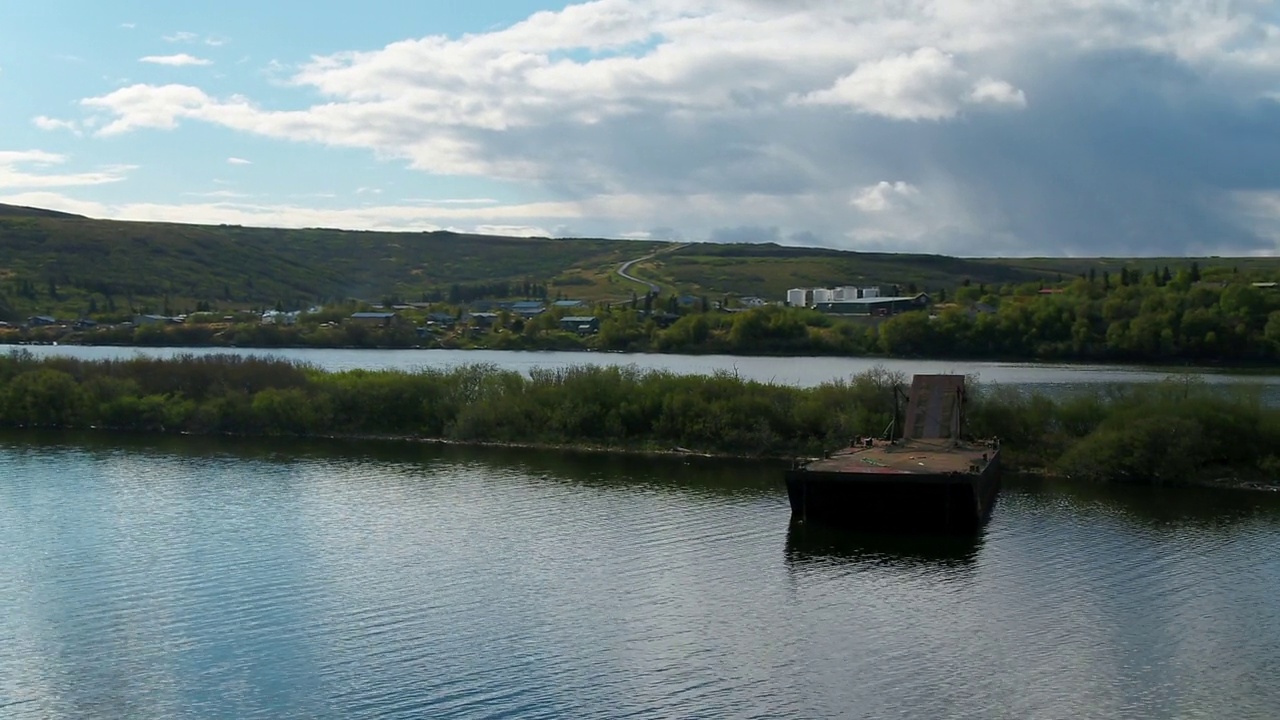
(67, 265)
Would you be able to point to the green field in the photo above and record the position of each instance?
(54, 263)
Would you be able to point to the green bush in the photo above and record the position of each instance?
(1163, 433)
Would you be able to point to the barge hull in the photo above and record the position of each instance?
(917, 502)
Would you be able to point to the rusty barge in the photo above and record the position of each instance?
(929, 480)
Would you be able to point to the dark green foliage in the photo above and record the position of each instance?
(1178, 431)
(1143, 321)
(53, 258)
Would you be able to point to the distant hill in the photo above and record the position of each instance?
(53, 262)
(22, 211)
(49, 259)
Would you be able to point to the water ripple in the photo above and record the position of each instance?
(144, 582)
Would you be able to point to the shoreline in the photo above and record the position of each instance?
(1261, 369)
(673, 453)
(1119, 435)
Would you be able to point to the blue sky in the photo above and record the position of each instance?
(957, 126)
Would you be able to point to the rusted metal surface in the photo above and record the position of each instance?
(930, 481)
(908, 457)
(934, 408)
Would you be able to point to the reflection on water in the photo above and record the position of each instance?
(183, 577)
(809, 543)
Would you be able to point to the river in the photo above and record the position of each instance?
(187, 577)
(801, 371)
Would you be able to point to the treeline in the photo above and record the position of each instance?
(1167, 433)
(1139, 318)
(1146, 322)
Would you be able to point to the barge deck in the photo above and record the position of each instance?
(931, 480)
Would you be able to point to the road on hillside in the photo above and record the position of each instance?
(624, 267)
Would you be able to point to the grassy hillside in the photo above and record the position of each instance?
(769, 270)
(69, 265)
(51, 262)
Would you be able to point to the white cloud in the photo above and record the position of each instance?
(12, 174)
(52, 124)
(182, 36)
(221, 194)
(884, 196)
(214, 41)
(924, 85)
(178, 60)
(701, 112)
(451, 201)
(996, 92)
(128, 25)
(238, 161)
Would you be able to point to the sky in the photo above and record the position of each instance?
(965, 127)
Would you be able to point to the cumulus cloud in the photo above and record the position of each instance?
(51, 124)
(25, 169)
(924, 85)
(884, 196)
(238, 161)
(178, 60)
(1075, 126)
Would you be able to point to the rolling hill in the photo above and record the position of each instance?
(53, 262)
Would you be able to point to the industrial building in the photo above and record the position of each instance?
(875, 306)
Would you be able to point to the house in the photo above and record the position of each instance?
(275, 317)
(41, 320)
(442, 319)
(581, 324)
(567, 304)
(374, 319)
(1050, 291)
(155, 320)
(482, 319)
(84, 324)
(875, 307)
(752, 301)
(528, 308)
(1266, 285)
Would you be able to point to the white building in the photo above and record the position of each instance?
(809, 297)
(800, 297)
(275, 317)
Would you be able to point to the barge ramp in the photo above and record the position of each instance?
(931, 480)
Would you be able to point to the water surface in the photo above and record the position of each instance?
(207, 578)
(800, 371)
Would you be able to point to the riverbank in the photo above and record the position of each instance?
(1166, 433)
